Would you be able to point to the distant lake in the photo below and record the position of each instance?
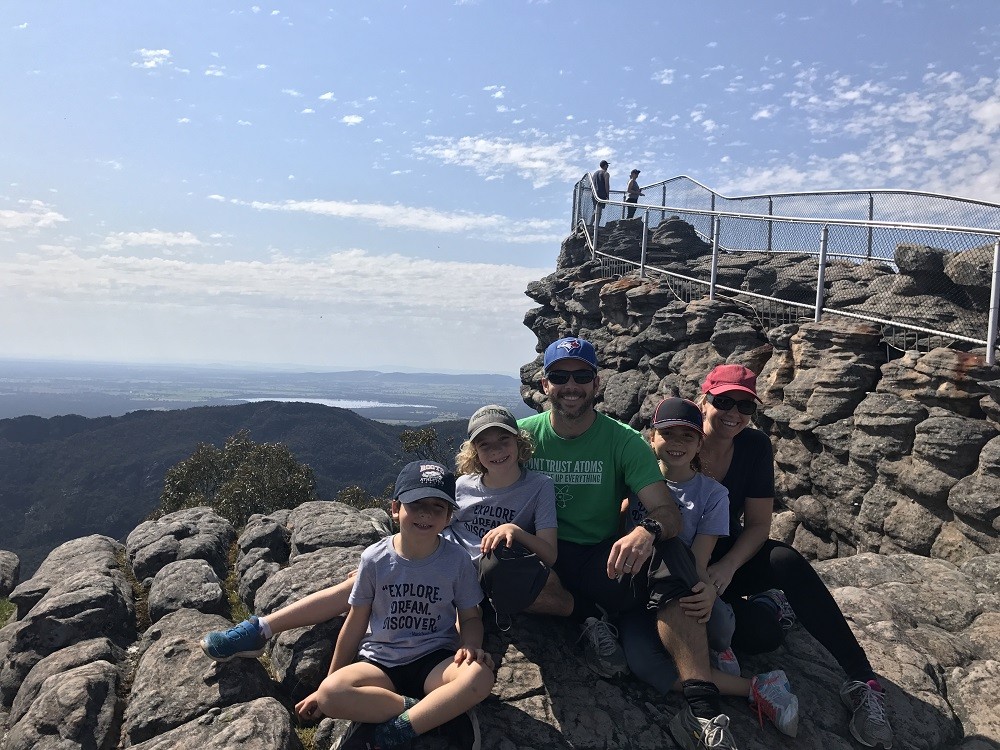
(340, 403)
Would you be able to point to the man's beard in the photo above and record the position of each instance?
(573, 411)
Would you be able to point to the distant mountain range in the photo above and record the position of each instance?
(50, 389)
(69, 476)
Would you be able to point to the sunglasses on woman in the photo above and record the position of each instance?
(725, 403)
(561, 377)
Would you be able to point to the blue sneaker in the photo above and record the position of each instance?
(245, 640)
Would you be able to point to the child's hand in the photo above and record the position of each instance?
(308, 708)
(699, 604)
(503, 534)
(473, 655)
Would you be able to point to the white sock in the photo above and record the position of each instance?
(264, 627)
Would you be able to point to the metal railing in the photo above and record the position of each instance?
(924, 267)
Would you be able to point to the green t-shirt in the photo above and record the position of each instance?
(592, 473)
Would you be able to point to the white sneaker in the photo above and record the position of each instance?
(772, 696)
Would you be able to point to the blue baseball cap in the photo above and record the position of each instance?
(570, 348)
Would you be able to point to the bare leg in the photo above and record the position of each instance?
(359, 692)
(311, 610)
(553, 599)
(452, 689)
(685, 640)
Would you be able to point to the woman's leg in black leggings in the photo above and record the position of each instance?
(779, 566)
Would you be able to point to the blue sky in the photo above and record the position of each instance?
(375, 184)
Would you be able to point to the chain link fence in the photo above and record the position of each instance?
(921, 266)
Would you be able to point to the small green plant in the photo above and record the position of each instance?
(7, 610)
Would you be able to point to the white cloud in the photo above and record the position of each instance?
(151, 58)
(358, 304)
(488, 226)
(153, 238)
(327, 97)
(764, 113)
(541, 162)
(33, 215)
(352, 119)
(666, 76)
(291, 92)
(307, 111)
(216, 71)
(183, 120)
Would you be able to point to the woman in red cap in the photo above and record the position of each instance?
(779, 582)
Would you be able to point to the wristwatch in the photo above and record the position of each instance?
(653, 527)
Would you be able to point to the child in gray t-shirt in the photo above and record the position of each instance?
(400, 641)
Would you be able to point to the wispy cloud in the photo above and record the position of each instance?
(542, 161)
(151, 58)
(352, 119)
(488, 226)
(153, 238)
(665, 76)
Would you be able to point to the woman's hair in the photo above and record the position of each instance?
(467, 462)
(695, 462)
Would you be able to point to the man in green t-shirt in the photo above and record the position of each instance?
(595, 462)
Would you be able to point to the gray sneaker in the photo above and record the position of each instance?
(775, 598)
(869, 715)
(692, 733)
(603, 653)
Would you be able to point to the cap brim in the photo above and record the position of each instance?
(411, 496)
(578, 359)
(677, 422)
(722, 388)
(502, 425)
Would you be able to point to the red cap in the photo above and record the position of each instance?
(731, 378)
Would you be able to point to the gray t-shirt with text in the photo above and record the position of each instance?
(529, 503)
(414, 602)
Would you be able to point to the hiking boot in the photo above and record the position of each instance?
(775, 598)
(771, 696)
(725, 661)
(692, 733)
(869, 715)
(245, 640)
(463, 731)
(361, 736)
(603, 653)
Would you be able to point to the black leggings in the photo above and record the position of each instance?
(779, 566)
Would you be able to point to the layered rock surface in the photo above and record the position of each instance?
(76, 672)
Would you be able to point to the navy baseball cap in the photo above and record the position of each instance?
(422, 479)
(570, 348)
(671, 412)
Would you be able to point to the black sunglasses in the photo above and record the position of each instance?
(725, 403)
(561, 377)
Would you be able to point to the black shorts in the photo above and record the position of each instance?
(409, 679)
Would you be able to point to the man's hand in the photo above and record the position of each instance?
(699, 604)
(630, 552)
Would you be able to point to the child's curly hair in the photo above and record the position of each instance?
(467, 462)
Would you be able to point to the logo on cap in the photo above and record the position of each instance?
(572, 346)
(431, 474)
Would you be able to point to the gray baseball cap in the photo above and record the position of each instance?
(492, 416)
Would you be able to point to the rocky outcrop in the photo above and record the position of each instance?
(929, 625)
(875, 450)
